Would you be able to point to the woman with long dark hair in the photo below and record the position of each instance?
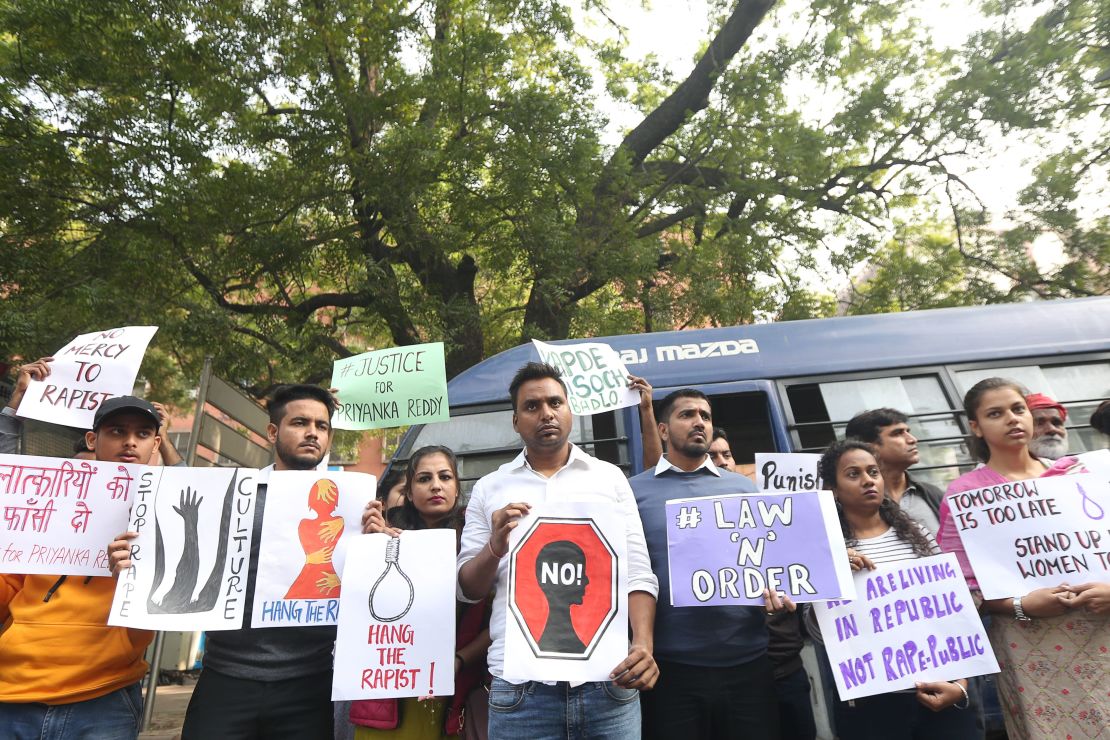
(431, 500)
(1050, 643)
(877, 531)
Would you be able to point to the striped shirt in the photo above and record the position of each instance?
(888, 547)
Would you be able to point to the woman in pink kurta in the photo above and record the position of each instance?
(1052, 643)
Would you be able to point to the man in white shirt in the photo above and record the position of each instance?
(550, 468)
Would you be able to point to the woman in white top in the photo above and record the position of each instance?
(877, 531)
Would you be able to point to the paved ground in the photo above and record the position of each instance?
(169, 711)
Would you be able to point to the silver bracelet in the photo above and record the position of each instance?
(1019, 613)
(967, 699)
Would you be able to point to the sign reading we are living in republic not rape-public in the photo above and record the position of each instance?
(912, 620)
(596, 378)
(391, 387)
(724, 550)
(60, 515)
(85, 373)
(1038, 533)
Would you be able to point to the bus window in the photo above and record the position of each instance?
(821, 411)
(1079, 387)
(745, 418)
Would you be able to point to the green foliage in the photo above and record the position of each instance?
(278, 183)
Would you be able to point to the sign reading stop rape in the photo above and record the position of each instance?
(1029, 534)
(85, 373)
(913, 621)
(567, 616)
(595, 376)
(724, 550)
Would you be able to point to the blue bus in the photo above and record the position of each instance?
(792, 386)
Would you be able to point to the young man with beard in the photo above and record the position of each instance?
(66, 673)
(549, 469)
(715, 676)
(888, 431)
(274, 682)
(1050, 435)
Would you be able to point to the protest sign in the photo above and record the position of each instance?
(309, 518)
(86, 372)
(189, 563)
(787, 471)
(567, 611)
(60, 515)
(596, 378)
(724, 550)
(391, 387)
(1039, 533)
(395, 638)
(913, 620)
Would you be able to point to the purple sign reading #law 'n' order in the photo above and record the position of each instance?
(725, 550)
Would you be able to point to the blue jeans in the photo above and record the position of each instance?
(537, 711)
(114, 716)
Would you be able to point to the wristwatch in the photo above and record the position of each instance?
(1019, 613)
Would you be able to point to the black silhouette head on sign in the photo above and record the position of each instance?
(561, 574)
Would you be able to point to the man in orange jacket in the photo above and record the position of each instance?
(66, 673)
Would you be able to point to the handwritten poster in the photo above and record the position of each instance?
(391, 387)
(89, 370)
(724, 550)
(395, 637)
(190, 560)
(596, 378)
(567, 615)
(787, 471)
(1036, 533)
(309, 519)
(60, 515)
(912, 620)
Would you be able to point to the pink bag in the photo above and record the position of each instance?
(380, 714)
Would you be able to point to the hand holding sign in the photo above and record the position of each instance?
(86, 372)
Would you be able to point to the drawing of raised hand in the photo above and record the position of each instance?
(327, 491)
(323, 555)
(190, 508)
(328, 583)
(330, 529)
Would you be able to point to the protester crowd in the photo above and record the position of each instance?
(707, 672)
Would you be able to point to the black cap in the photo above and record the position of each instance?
(125, 403)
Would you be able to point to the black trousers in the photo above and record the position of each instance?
(691, 702)
(244, 709)
(900, 716)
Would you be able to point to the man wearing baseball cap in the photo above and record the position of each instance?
(1050, 436)
(66, 672)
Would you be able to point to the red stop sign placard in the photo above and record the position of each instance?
(563, 586)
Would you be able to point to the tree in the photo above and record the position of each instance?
(281, 183)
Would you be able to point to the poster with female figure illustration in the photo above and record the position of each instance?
(308, 520)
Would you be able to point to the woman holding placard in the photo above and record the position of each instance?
(877, 531)
(1051, 643)
(431, 501)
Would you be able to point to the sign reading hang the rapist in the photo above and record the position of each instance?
(594, 374)
(787, 471)
(913, 620)
(391, 387)
(724, 550)
(1039, 533)
(86, 372)
(309, 519)
(190, 561)
(60, 515)
(566, 616)
(393, 640)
